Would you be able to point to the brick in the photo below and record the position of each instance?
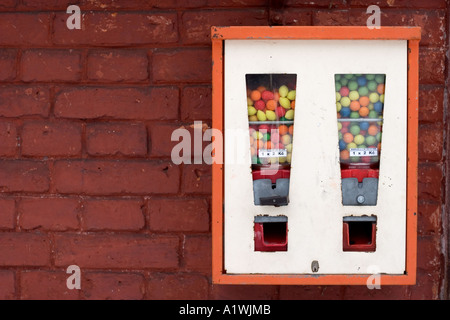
(110, 214)
(129, 139)
(312, 292)
(431, 66)
(180, 215)
(51, 65)
(429, 218)
(427, 287)
(177, 287)
(117, 65)
(8, 4)
(197, 253)
(290, 17)
(7, 285)
(7, 213)
(24, 29)
(46, 285)
(116, 251)
(24, 249)
(23, 176)
(160, 139)
(196, 103)
(117, 29)
(115, 177)
(244, 292)
(45, 138)
(112, 286)
(7, 64)
(429, 256)
(8, 138)
(196, 25)
(425, 4)
(431, 104)
(182, 65)
(430, 182)
(118, 103)
(197, 179)
(384, 293)
(18, 101)
(55, 214)
(430, 143)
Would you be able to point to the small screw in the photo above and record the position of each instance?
(360, 199)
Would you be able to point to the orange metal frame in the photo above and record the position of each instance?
(412, 35)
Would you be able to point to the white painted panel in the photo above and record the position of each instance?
(315, 210)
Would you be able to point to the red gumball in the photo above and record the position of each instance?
(267, 95)
(280, 111)
(344, 91)
(344, 130)
(260, 105)
(264, 127)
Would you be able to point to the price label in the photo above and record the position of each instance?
(272, 153)
(363, 152)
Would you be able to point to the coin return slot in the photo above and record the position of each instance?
(359, 234)
(270, 233)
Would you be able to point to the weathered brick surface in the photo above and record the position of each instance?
(86, 118)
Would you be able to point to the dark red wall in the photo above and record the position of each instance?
(85, 123)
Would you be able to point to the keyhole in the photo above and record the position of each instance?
(315, 266)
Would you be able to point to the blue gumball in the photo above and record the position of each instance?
(378, 106)
(342, 145)
(361, 81)
(345, 112)
(364, 125)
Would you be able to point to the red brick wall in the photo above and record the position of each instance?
(85, 124)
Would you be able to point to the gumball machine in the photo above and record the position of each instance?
(271, 110)
(359, 105)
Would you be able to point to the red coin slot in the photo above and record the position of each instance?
(359, 234)
(270, 235)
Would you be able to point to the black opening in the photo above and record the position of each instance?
(360, 232)
(275, 232)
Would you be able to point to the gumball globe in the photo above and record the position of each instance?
(288, 147)
(364, 125)
(361, 81)
(271, 115)
(345, 112)
(285, 103)
(345, 101)
(342, 145)
(354, 115)
(260, 105)
(358, 139)
(353, 95)
(354, 129)
(379, 78)
(344, 91)
(372, 85)
(289, 114)
(338, 96)
(352, 85)
(374, 97)
(280, 111)
(291, 95)
(348, 137)
(363, 91)
(261, 115)
(351, 145)
(338, 106)
(286, 139)
(283, 91)
(251, 110)
(267, 95)
(378, 106)
(371, 140)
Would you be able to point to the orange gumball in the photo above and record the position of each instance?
(283, 129)
(354, 105)
(271, 104)
(348, 137)
(255, 95)
(380, 88)
(364, 111)
(276, 96)
(268, 145)
(261, 89)
(373, 130)
(364, 101)
(291, 130)
(293, 104)
(345, 154)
